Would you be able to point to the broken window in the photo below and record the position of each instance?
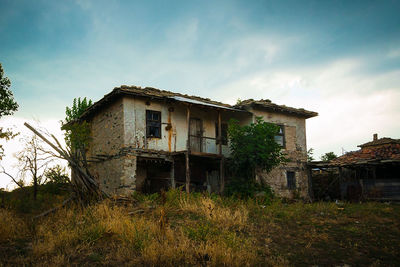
(291, 180)
(153, 123)
(280, 137)
(224, 137)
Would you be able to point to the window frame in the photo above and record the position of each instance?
(151, 123)
(282, 127)
(291, 184)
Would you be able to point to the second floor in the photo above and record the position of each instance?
(155, 120)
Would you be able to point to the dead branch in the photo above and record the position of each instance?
(12, 177)
(84, 185)
(54, 209)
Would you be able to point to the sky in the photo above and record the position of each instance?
(338, 58)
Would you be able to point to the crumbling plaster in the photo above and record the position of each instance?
(173, 138)
(296, 151)
(116, 171)
(122, 124)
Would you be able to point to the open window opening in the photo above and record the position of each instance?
(153, 124)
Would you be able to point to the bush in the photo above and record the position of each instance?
(245, 188)
(253, 147)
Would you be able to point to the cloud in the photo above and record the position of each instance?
(394, 53)
(352, 105)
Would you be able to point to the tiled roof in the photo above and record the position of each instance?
(384, 152)
(381, 141)
(266, 104)
(154, 93)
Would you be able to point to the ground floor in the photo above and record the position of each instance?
(152, 171)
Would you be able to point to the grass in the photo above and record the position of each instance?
(198, 229)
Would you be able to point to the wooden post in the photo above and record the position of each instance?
(188, 150)
(342, 192)
(374, 172)
(221, 163)
(222, 175)
(219, 137)
(173, 183)
(310, 187)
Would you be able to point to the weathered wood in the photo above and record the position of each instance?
(219, 133)
(173, 183)
(84, 185)
(222, 175)
(187, 150)
(342, 193)
(47, 212)
(44, 138)
(221, 163)
(310, 186)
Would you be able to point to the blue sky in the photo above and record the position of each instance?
(339, 58)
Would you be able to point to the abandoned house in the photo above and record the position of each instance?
(373, 172)
(147, 139)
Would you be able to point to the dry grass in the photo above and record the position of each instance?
(196, 229)
(144, 238)
(11, 226)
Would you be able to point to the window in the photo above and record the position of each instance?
(153, 123)
(291, 180)
(280, 137)
(224, 128)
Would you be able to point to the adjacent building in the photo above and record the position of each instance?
(372, 172)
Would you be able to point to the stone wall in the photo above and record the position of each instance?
(122, 125)
(116, 174)
(296, 151)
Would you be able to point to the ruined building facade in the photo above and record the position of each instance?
(146, 139)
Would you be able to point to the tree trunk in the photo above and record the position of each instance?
(35, 188)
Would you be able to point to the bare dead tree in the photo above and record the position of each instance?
(19, 183)
(85, 187)
(34, 161)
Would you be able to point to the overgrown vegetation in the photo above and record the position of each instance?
(8, 106)
(252, 147)
(77, 133)
(175, 228)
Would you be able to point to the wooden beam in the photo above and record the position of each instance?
(221, 163)
(342, 193)
(222, 175)
(173, 183)
(219, 133)
(310, 187)
(188, 150)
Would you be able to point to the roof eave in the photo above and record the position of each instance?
(292, 111)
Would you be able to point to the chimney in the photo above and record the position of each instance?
(375, 137)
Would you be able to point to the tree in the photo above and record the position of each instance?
(310, 154)
(57, 175)
(328, 156)
(7, 107)
(77, 133)
(78, 107)
(252, 147)
(34, 160)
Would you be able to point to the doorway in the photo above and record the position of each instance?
(196, 134)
